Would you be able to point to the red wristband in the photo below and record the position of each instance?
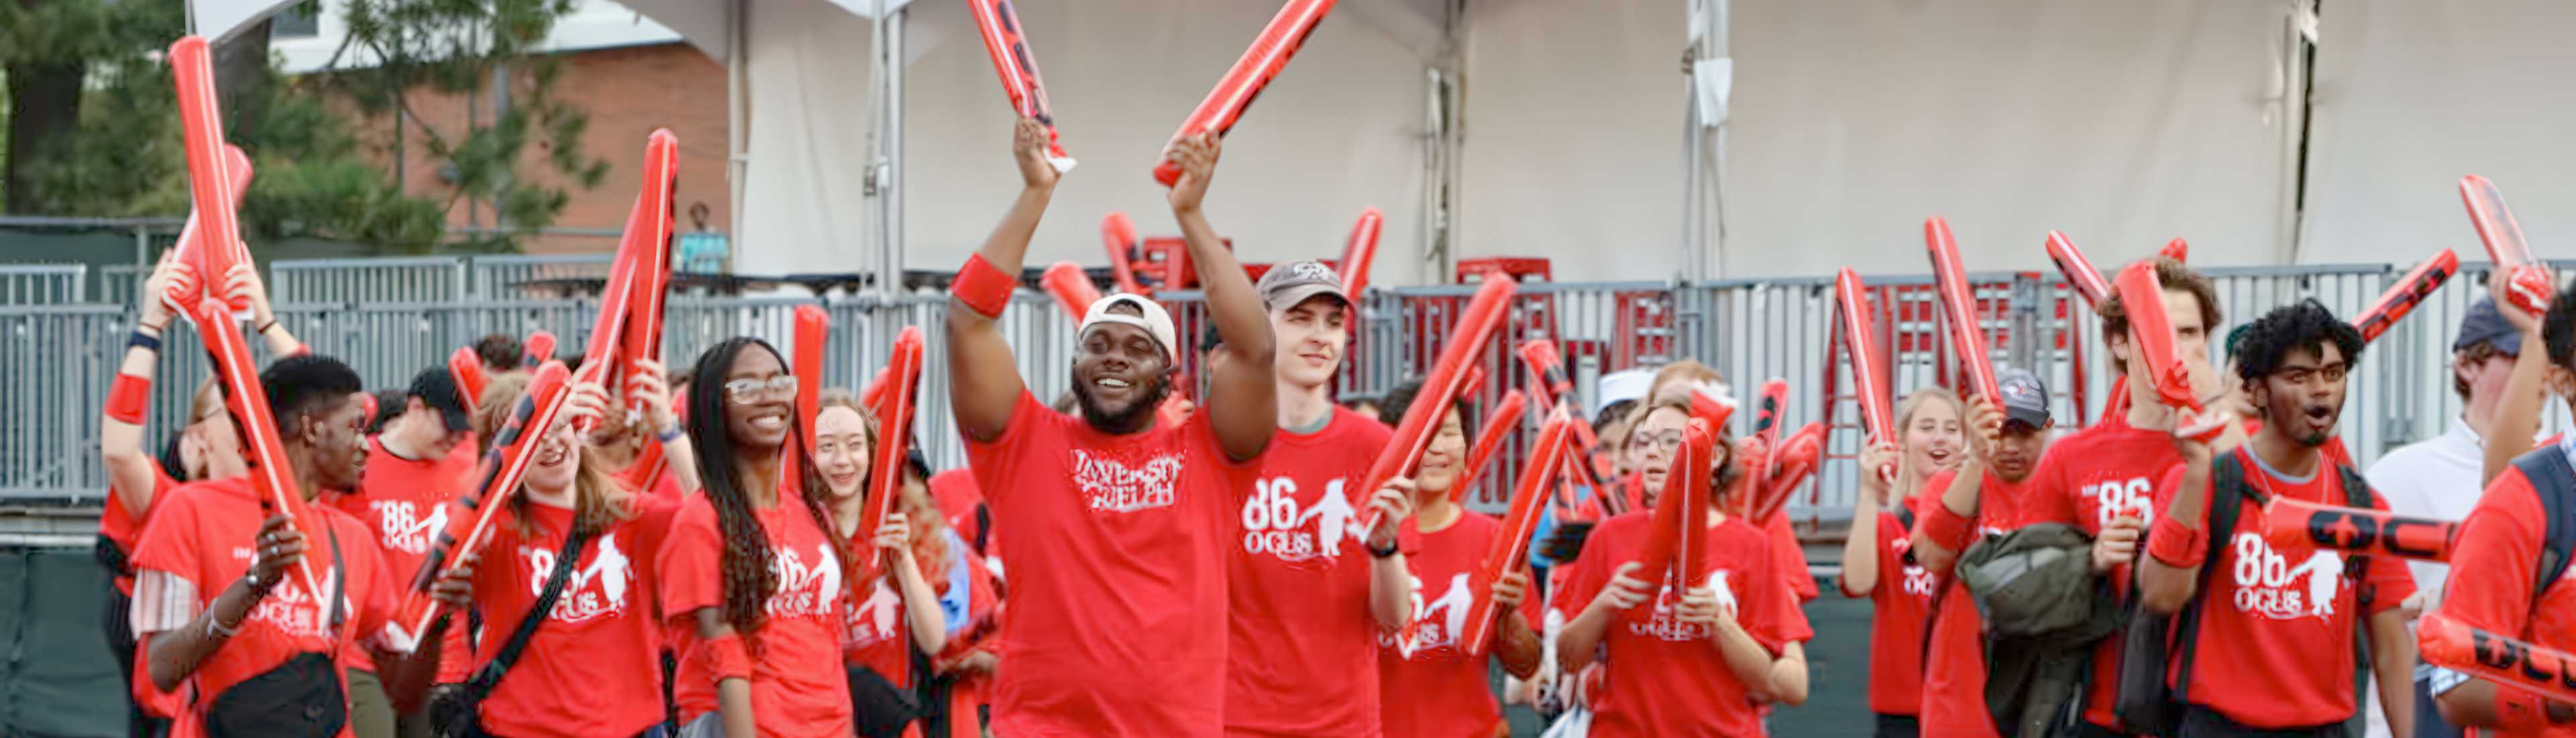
(983, 288)
(2177, 545)
(1948, 529)
(128, 398)
(726, 657)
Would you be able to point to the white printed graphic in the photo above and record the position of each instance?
(2268, 584)
(805, 590)
(1114, 486)
(1666, 621)
(875, 620)
(1274, 523)
(596, 589)
(1917, 581)
(2113, 499)
(1436, 623)
(402, 526)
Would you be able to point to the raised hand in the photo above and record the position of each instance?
(1510, 590)
(1393, 504)
(455, 586)
(895, 535)
(1029, 148)
(1196, 156)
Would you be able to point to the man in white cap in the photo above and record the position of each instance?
(1116, 523)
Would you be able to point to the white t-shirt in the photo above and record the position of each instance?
(2435, 478)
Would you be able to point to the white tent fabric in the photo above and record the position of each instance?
(218, 19)
(2411, 95)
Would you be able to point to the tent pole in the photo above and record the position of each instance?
(889, 153)
(737, 118)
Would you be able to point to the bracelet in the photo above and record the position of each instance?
(263, 327)
(673, 434)
(1392, 546)
(215, 628)
(144, 341)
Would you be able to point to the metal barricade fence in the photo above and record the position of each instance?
(375, 280)
(510, 276)
(43, 284)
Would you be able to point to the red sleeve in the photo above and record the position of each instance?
(169, 542)
(2492, 566)
(1770, 609)
(382, 594)
(691, 563)
(995, 462)
(1792, 558)
(1939, 526)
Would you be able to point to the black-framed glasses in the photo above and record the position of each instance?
(745, 391)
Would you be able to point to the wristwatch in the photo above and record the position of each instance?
(1380, 553)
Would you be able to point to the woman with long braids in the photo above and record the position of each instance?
(889, 609)
(599, 632)
(752, 571)
(1877, 560)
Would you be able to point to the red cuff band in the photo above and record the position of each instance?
(726, 657)
(2175, 544)
(1948, 529)
(982, 287)
(128, 398)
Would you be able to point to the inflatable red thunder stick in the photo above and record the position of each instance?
(1510, 548)
(2176, 250)
(1000, 25)
(237, 166)
(648, 234)
(806, 363)
(2409, 291)
(1440, 389)
(2509, 662)
(537, 349)
(1118, 236)
(270, 472)
(1360, 252)
(1959, 310)
(1679, 531)
(1499, 425)
(212, 189)
(2531, 287)
(466, 368)
(1860, 346)
(1268, 55)
(894, 438)
(514, 447)
(873, 396)
(1551, 388)
(1072, 289)
(2151, 335)
(2081, 277)
(2358, 530)
(1792, 463)
(1759, 448)
(1709, 406)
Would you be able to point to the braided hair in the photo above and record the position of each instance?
(749, 581)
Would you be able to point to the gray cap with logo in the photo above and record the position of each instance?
(2025, 397)
(1294, 282)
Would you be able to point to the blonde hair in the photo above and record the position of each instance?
(1906, 409)
(598, 500)
(1685, 372)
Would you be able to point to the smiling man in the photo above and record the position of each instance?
(1117, 526)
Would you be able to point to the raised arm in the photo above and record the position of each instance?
(1242, 394)
(120, 436)
(983, 379)
(2169, 575)
(2517, 415)
(1860, 548)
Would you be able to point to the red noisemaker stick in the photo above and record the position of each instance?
(1475, 382)
(1551, 389)
(1706, 405)
(1018, 69)
(1440, 388)
(212, 188)
(1860, 344)
(1499, 425)
(2143, 296)
(2080, 275)
(1960, 309)
(466, 368)
(873, 395)
(237, 166)
(2409, 291)
(514, 447)
(2360, 530)
(806, 363)
(1511, 546)
(270, 472)
(2530, 289)
(1234, 93)
(537, 349)
(894, 435)
(648, 228)
(2509, 662)
(1764, 444)
(1792, 463)
(1361, 251)
(1681, 511)
(1118, 236)
(1072, 289)
(2176, 249)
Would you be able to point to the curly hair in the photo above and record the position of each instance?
(747, 576)
(2307, 325)
(2558, 329)
(2174, 276)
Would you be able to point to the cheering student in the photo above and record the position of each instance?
(565, 553)
(1427, 684)
(1305, 609)
(751, 571)
(215, 590)
(1115, 526)
(2013, 442)
(1901, 598)
(895, 613)
(414, 469)
(1697, 661)
(206, 448)
(2496, 564)
(2275, 625)
(1675, 382)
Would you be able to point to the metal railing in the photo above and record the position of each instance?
(43, 284)
(59, 357)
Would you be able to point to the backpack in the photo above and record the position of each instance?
(2553, 478)
(2043, 610)
(2148, 703)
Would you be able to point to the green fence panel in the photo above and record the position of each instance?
(63, 680)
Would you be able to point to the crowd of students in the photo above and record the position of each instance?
(680, 561)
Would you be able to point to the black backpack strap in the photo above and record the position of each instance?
(339, 580)
(489, 677)
(2227, 495)
(2554, 480)
(2357, 493)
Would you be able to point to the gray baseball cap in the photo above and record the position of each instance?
(2025, 397)
(1285, 285)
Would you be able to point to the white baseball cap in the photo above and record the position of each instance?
(1152, 317)
(1620, 386)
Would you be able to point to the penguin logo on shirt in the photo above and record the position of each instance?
(1276, 525)
(1436, 623)
(402, 526)
(805, 590)
(593, 590)
(2267, 584)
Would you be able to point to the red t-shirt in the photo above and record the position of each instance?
(1427, 685)
(2492, 567)
(1666, 678)
(2088, 479)
(205, 532)
(1954, 674)
(1117, 547)
(600, 633)
(878, 637)
(797, 685)
(2279, 620)
(1792, 558)
(1301, 654)
(1900, 604)
(957, 496)
(405, 502)
(121, 528)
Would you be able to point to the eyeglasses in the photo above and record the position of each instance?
(1666, 441)
(743, 390)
